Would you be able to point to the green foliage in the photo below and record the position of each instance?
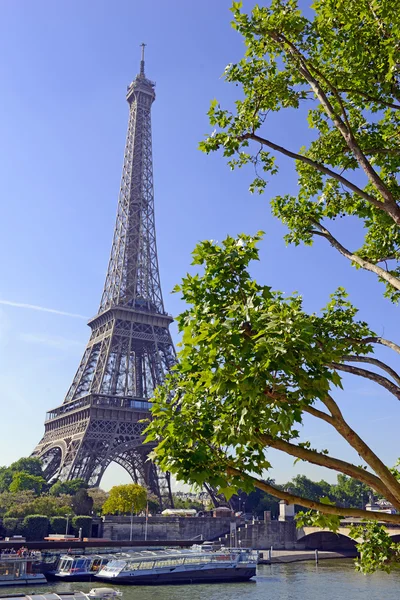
(44, 505)
(318, 519)
(84, 523)
(99, 497)
(305, 487)
(126, 499)
(244, 346)
(22, 481)
(153, 504)
(339, 69)
(8, 501)
(350, 492)
(11, 526)
(32, 466)
(187, 503)
(67, 487)
(35, 527)
(6, 477)
(82, 503)
(28, 466)
(258, 501)
(58, 525)
(377, 550)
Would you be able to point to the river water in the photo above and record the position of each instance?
(330, 580)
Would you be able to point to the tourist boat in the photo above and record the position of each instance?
(94, 594)
(20, 570)
(78, 568)
(181, 566)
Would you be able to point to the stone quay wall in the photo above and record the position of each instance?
(258, 534)
(166, 528)
(281, 535)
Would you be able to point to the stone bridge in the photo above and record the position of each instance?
(323, 539)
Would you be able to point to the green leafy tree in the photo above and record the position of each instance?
(340, 71)
(30, 465)
(82, 503)
(44, 505)
(257, 502)
(126, 499)
(82, 522)
(11, 526)
(303, 486)
(99, 497)
(252, 362)
(187, 503)
(36, 527)
(67, 487)
(6, 477)
(58, 525)
(8, 500)
(22, 481)
(153, 503)
(350, 492)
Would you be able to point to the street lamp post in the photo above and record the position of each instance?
(130, 536)
(66, 526)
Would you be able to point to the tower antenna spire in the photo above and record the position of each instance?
(143, 45)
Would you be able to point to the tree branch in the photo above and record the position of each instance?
(375, 362)
(317, 166)
(371, 98)
(324, 460)
(318, 414)
(383, 381)
(354, 440)
(337, 421)
(323, 508)
(390, 205)
(308, 409)
(323, 232)
(375, 340)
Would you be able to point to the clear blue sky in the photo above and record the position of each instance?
(63, 115)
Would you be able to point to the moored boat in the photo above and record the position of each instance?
(17, 569)
(181, 566)
(78, 568)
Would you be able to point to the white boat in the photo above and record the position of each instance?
(78, 568)
(20, 570)
(181, 566)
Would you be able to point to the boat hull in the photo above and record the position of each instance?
(23, 581)
(69, 577)
(209, 575)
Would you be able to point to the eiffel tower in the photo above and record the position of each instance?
(130, 349)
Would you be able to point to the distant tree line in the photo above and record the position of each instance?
(32, 507)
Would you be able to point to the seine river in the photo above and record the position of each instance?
(330, 580)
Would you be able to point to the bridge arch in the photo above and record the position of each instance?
(327, 540)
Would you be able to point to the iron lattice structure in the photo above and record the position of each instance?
(130, 349)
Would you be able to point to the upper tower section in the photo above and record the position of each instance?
(133, 280)
(141, 88)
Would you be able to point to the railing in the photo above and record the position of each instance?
(112, 401)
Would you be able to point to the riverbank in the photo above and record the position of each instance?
(269, 557)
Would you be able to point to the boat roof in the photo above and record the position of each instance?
(149, 554)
